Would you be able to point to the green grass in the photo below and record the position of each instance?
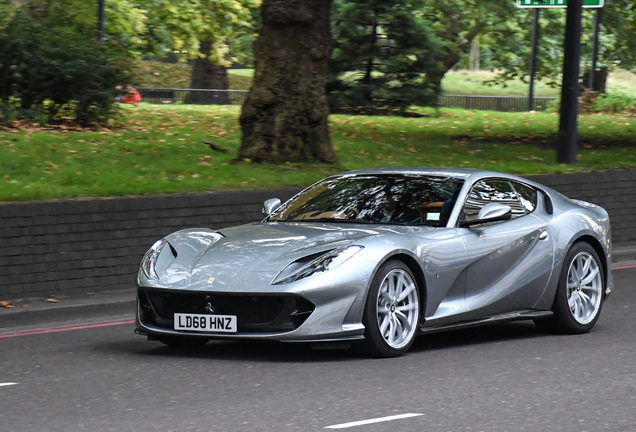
(622, 82)
(156, 149)
(465, 82)
(475, 83)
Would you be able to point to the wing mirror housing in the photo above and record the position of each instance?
(270, 206)
(489, 213)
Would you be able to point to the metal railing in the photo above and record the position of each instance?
(494, 103)
(192, 96)
(237, 97)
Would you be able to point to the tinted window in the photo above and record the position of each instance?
(386, 199)
(520, 198)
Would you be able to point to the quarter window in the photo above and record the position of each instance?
(527, 196)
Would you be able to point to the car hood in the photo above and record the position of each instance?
(248, 257)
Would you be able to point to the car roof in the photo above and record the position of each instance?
(463, 173)
(470, 175)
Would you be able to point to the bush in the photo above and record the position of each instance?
(592, 102)
(612, 103)
(51, 68)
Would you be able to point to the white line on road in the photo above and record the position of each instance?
(7, 384)
(371, 421)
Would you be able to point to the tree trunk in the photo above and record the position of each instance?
(474, 56)
(451, 54)
(600, 80)
(434, 79)
(285, 115)
(206, 75)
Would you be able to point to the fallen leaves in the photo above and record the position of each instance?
(5, 304)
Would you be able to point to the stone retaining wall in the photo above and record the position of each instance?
(95, 245)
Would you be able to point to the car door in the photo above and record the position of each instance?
(509, 263)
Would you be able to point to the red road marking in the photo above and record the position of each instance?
(64, 329)
(624, 267)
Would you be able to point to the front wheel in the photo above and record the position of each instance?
(579, 295)
(392, 311)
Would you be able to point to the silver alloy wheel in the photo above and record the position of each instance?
(397, 308)
(585, 287)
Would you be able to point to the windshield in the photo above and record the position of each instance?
(381, 199)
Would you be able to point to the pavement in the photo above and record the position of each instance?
(28, 311)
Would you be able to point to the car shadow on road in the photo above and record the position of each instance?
(246, 351)
(495, 333)
(259, 351)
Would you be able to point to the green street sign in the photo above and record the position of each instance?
(557, 3)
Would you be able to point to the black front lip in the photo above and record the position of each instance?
(256, 314)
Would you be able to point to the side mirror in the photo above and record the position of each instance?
(270, 206)
(489, 213)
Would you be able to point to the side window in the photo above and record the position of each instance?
(520, 198)
(527, 196)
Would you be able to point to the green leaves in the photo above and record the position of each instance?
(381, 52)
(223, 22)
(47, 68)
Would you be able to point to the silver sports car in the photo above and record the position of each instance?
(376, 257)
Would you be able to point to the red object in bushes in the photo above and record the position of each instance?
(132, 96)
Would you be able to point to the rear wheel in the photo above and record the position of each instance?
(579, 295)
(392, 311)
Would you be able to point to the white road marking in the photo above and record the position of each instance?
(371, 421)
(7, 384)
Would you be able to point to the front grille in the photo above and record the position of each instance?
(254, 313)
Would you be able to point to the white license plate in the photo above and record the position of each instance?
(205, 323)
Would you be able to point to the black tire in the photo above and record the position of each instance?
(183, 341)
(579, 295)
(392, 311)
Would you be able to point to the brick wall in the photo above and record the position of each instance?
(95, 245)
(613, 190)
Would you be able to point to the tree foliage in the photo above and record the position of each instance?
(47, 67)
(505, 41)
(223, 24)
(126, 29)
(381, 52)
(457, 23)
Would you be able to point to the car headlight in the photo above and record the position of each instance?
(149, 262)
(325, 262)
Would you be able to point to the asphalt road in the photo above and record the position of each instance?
(85, 375)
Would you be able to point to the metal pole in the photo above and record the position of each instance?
(597, 25)
(568, 128)
(100, 22)
(534, 41)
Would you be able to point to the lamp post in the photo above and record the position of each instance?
(597, 25)
(100, 22)
(533, 59)
(568, 121)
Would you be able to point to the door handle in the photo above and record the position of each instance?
(543, 235)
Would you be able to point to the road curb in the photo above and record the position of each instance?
(40, 311)
(624, 253)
